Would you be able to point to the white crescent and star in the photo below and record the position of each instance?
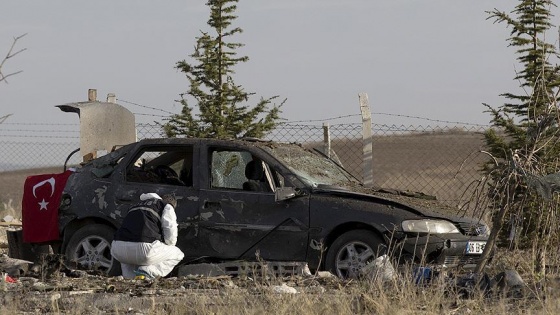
(43, 204)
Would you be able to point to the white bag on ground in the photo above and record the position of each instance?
(380, 269)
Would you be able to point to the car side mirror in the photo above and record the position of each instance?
(285, 193)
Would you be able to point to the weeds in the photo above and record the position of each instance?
(8, 207)
(254, 294)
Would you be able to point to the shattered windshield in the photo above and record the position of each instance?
(105, 165)
(311, 167)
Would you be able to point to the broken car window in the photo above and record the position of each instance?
(106, 164)
(228, 169)
(170, 166)
(238, 170)
(311, 167)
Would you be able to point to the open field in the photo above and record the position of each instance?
(442, 164)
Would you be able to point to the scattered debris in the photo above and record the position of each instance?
(510, 283)
(77, 273)
(284, 288)
(245, 268)
(7, 278)
(506, 284)
(325, 274)
(10, 221)
(50, 282)
(422, 275)
(112, 293)
(28, 280)
(14, 267)
(381, 269)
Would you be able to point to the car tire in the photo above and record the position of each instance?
(352, 251)
(90, 249)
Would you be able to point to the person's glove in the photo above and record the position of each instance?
(170, 199)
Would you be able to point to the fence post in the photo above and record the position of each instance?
(327, 139)
(367, 149)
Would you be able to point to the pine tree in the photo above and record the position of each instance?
(525, 116)
(222, 104)
(525, 140)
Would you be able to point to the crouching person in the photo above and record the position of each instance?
(145, 242)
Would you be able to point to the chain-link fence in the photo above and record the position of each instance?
(444, 162)
(440, 161)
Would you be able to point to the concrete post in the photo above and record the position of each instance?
(367, 140)
(327, 139)
(111, 98)
(92, 95)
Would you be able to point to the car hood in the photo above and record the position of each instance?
(417, 203)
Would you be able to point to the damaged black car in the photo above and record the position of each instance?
(249, 200)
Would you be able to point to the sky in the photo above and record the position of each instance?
(437, 59)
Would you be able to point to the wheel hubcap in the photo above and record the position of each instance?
(352, 258)
(93, 252)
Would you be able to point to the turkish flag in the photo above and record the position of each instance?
(39, 207)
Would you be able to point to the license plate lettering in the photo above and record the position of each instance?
(475, 247)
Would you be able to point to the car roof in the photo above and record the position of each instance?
(244, 142)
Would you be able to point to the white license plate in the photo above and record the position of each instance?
(474, 247)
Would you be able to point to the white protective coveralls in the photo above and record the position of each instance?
(156, 259)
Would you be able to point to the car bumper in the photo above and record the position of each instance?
(444, 250)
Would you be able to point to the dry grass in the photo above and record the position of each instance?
(256, 295)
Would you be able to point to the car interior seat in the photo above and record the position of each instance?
(167, 175)
(254, 172)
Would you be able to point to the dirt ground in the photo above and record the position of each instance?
(49, 287)
(118, 295)
(78, 292)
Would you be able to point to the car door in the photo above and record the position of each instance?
(243, 224)
(163, 169)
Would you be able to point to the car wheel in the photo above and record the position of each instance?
(352, 251)
(90, 249)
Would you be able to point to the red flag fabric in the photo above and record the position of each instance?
(39, 207)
